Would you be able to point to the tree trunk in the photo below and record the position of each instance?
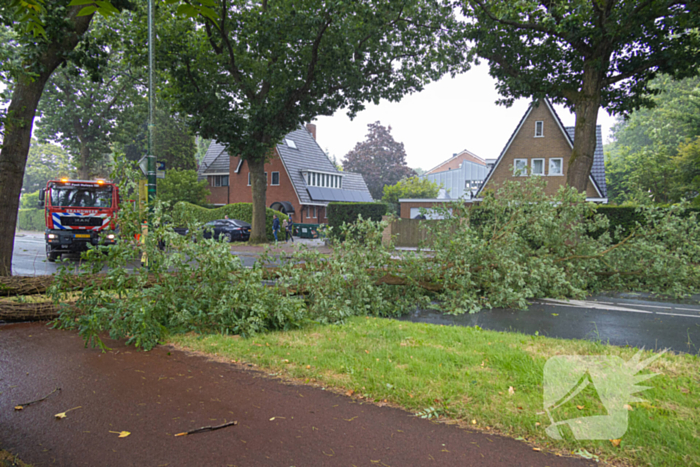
(84, 167)
(18, 129)
(586, 111)
(13, 159)
(258, 183)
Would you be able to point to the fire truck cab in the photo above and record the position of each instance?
(78, 213)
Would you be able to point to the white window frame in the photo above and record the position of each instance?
(561, 166)
(272, 180)
(315, 217)
(290, 143)
(532, 166)
(308, 212)
(248, 178)
(523, 173)
(539, 123)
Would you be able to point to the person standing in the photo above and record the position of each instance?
(289, 230)
(275, 226)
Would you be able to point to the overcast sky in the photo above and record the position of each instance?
(445, 118)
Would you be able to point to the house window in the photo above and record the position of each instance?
(323, 180)
(556, 166)
(308, 212)
(265, 178)
(537, 166)
(248, 178)
(275, 178)
(539, 129)
(219, 180)
(520, 167)
(314, 216)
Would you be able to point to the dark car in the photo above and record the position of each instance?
(229, 229)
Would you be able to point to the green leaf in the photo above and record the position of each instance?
(106, 7)
(81, 2)
(186, 10)
(88, 10)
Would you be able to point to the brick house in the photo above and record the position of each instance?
(301, 180)
(541, 146)
(455, 162)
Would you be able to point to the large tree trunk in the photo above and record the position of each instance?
(84, 167)
(18, 130)
(13, 159)
(258, 183)
(586, 111)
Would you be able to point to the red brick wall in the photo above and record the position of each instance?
(525, 145)
(219, 194)
(240, 192)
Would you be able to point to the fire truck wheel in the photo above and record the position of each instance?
(50, 255)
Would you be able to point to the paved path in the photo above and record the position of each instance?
(619, 319)
(154, 395)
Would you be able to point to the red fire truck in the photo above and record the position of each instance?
(78, 213)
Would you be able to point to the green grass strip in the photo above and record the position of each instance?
(465, 374)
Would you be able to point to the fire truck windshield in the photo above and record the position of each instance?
(70, 196)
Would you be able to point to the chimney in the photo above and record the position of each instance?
(311, 128)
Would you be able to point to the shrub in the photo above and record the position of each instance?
(348, 213)
(184, 213)
(31, 219)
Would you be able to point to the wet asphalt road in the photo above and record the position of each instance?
(154, 395)
(29, 257)
(620, 319)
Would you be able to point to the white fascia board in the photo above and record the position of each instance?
(436, 200)
(322, 172)
(240, 163)
(598, 200)
(316, 204)
(215, 173)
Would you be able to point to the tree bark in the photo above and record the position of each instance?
(586, 110)
(83, 168)
(258, 183)
(18, 130)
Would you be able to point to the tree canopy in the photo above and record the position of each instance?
(182, 185)
(412, 187)
(268, 67)
(584, 54)
(380, 159)
(45, 162)
(651, 157)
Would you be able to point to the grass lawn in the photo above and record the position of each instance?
(491, 381)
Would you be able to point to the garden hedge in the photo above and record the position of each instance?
(339, 213)
(184, 212)
(31, 219)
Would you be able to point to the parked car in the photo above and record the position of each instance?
(229, 229)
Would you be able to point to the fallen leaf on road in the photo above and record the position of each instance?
(615, 442)
(555, 314)
(18, 407)
(511, 391)
(350, 392)
(580, 407)
(122, 434)
(536, 449)
(473, 422)
(63, 414)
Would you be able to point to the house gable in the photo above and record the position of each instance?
(455, 162)
(539, 142)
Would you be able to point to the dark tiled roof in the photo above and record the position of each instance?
(598, 169)
(307, 155)
(216, 160)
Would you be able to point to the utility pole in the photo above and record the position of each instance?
(151, 158)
